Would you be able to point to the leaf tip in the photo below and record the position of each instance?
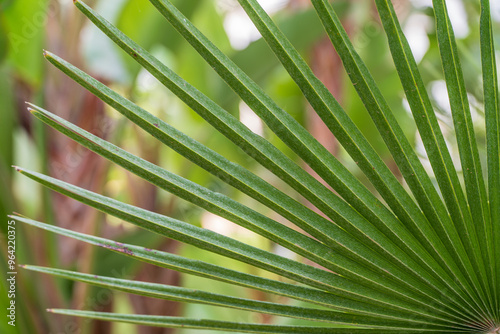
(30, 106)
(17, 168)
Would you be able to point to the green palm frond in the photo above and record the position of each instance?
(415, 257)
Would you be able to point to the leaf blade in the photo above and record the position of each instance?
(174, 322)
(337, 119)
(313, 153)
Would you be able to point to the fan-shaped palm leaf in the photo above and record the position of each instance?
(417, 261)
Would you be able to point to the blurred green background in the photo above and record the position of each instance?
(29, 26)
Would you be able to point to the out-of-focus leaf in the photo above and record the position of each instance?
(100, 55)
(7, 120)
(3, 41)
(191, 65)
(4, 4)
(142, 22)
(24, 22)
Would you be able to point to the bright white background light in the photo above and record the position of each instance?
(239, 27)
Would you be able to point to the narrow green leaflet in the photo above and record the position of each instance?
(435, 145)
(160, 177)
(492, 120)
(177, 322)
(204, 269)
(466, 139)
(213, 162)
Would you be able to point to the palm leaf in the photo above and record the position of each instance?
(423, 261)
(325, 232)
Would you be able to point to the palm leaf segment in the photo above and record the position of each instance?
(424, 262)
